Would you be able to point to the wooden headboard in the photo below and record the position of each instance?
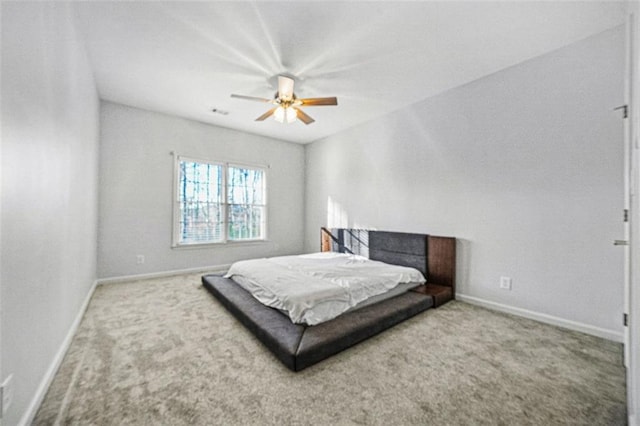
(433, 256)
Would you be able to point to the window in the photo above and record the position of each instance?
(218, 202)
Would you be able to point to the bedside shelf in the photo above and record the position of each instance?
(439, 293)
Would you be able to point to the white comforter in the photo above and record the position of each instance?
(318, 287)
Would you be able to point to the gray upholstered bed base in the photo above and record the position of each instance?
(300, 346)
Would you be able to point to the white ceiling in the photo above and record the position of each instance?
(185, 58)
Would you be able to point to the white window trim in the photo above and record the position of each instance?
(175, 239)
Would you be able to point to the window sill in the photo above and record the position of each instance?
(196, 246)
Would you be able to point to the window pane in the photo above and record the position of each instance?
(245, 186)
(246, 222)
(246, 198)
(200, 202)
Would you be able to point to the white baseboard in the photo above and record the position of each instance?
(43, 387)
(123, 278)
(547, 319)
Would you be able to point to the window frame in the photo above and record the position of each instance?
(175, 199)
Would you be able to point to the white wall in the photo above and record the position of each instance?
(136, 187)
(49, 191)
(523, 166)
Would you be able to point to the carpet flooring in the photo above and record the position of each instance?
(165, 352)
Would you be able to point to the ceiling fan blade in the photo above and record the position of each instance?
(302, 116)
(252, 98)
(285, 87)
(267, 114)
(318, 101)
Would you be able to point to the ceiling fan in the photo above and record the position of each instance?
(287, 105)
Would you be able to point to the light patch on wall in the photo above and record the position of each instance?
(360, 225)
(337, 216)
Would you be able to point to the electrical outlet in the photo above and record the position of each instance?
(505, 283)
(7, 393)
(140, 259)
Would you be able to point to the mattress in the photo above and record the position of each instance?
(399, 289)
(312, 289)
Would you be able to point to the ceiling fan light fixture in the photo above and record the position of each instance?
(279, 114)
(292, 114)
(285, 113)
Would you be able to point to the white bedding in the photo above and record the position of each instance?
(318, 287)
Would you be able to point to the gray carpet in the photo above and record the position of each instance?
(163, 351)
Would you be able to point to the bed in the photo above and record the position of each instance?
(299, 346)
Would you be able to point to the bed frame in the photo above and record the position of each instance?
(299, 346)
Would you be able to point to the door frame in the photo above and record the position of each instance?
(632, 288)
